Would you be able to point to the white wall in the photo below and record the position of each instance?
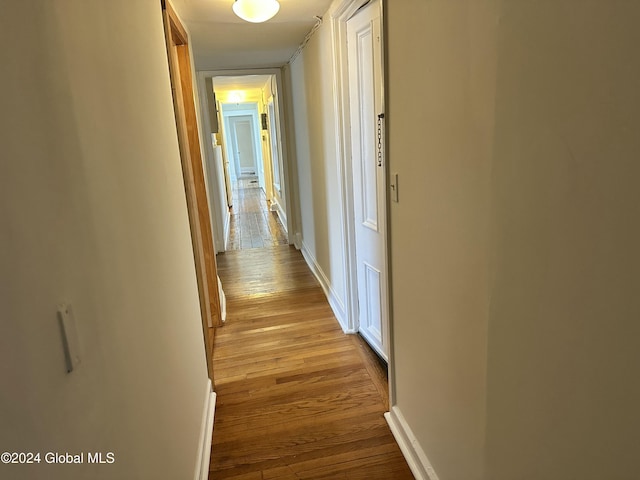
(514, 246)
(564, 332)
(441, 64)
(315, 146)
(93, 212)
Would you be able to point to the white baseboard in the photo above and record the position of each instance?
(223, 301)
(418, 462)
(206, 432)
(336, 304)
(297, 241)
(226, 230)
(276, 207)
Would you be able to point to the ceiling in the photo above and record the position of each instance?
(220, 40)
(244, 82)
(249, 84)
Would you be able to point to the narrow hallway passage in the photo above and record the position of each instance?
(297, 398)
(252, 224)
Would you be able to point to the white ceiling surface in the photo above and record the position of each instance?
(220, 40)
(245, 82)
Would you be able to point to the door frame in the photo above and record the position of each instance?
(274, 148)
(180, 72)
(231, 118)
(230, 145)
(289, 189)
(369, 179)
(339, 15)
(235, 120)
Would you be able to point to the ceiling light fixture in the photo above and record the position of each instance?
(256, 11)
(236, 96)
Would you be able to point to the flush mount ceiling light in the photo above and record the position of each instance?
(256, 11)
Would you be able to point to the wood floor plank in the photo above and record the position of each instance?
(296, 397)
(252, 224)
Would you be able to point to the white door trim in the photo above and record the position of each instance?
(369, 182)
(343, 11)
(231, 116)
(339, 15)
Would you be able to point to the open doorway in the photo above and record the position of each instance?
(247, 159)
(196, 196)
(243, 119)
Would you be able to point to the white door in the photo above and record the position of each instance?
(365, 92)
(245, 144)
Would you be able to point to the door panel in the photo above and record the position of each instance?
(373, 294)
(365, 92)
(245, 141)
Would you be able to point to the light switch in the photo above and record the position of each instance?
(393, 186)
(69, 333)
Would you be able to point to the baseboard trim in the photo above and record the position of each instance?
(223, 301)
(336, 304)
(226, 229)
(297, 241)
(206, 432)
(409, 446)
(276, 207)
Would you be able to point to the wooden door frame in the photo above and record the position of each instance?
(180, 72)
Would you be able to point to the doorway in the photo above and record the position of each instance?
(360, 126)
(253, 144)
(179, 59)
(243, 132)
(364, 57)
(241, 142)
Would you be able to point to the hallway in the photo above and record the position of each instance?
(297, 398)
(252, 225)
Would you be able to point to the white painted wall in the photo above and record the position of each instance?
(264, 142)
(564, 331)
(440, 126)
(93, 213)
(274, 164)
(514, 255)
(313, 117)
(217, 195)
(513, 128)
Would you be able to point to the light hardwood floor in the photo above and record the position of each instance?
(297, 398)
(252, 224)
